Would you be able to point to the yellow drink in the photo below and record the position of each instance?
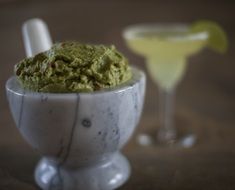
(165, 49)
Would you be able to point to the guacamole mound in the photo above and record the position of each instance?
(73, 67)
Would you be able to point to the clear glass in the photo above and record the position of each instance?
(166, 48)
(167, 132)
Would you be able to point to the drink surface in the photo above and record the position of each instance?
(166, 43)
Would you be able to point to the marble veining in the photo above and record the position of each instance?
(72, 132)
(79, 134)
(56, 182)
(21, 110)
(62, 147)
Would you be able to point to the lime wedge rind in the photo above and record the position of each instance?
(217, 38)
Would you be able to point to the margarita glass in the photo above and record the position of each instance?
(166, 48)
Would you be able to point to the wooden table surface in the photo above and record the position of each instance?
(205, 97)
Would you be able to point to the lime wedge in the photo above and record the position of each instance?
(217, 37)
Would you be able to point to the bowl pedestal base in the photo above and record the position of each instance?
(107, 175)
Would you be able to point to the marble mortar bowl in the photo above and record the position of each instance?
(79, 134)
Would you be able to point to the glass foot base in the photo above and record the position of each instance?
(184, 140)
(107, 175)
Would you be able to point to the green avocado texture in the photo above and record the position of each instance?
(73, 67)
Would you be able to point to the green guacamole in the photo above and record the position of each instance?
(73, 67)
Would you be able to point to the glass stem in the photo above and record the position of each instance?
(167, 131)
